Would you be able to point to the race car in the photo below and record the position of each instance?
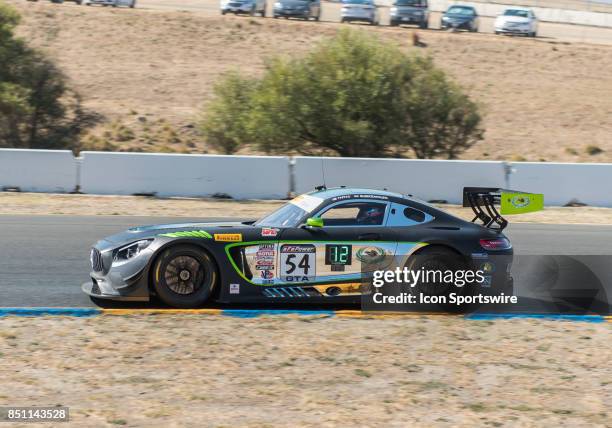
(317, 248)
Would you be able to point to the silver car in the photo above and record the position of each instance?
(359, 10)
(517, 21)
(250, 7)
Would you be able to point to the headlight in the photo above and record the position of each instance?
(130, 251)
(393, 10)
(278, 5)
(445, 18)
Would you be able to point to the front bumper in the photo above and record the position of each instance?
(103, 2)
(408, 19)
(513, 30)
(104, 291)
(124, 280)
(460, 25)
(358, 16)
(291, 12)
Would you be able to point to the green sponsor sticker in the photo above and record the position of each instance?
(520, 203)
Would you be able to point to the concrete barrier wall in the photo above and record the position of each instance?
(269, 177)
(241, 177)
(563, 182)
(38, 170)
(425, 179)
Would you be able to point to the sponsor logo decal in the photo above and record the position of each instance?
(289, 248)
(188, 234)
(297, 263)
(269, 232)
(520, 201)
(234, 289)
(266, 274)
(370, 255)
(228, 237)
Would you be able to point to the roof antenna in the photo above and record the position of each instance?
(323, 173)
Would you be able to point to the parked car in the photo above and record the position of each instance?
(113, 3)
(359, 10)
(250, 7)
(304, 9)
(415, 12)
(517, 21)
(460, 17)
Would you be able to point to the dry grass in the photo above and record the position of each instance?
(160, 371)
(542, 100)
(43, 203)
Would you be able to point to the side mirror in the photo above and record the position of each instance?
(314, 222)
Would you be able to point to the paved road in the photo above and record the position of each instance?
(331, 13)
(44, 259)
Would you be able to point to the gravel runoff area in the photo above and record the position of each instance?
(68, 204)
(211, 371)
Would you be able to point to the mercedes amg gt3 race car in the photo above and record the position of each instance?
(317, 248)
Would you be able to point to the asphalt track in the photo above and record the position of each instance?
(44, 259)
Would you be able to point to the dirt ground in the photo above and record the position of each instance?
(148, 72)
(207, 371)
(44, 204)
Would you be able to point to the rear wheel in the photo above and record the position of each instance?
(184, 276)
(439, 259)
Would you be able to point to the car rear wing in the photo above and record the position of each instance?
(482, 200)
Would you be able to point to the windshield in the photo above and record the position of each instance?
(286, 216)
(357, 1)
(457, 10)
(515, 12)
(418, 3)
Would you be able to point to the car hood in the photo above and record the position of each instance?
(513, 19)
(293, 3)
(409, 9)
(144, 232)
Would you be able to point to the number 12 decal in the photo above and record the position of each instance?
(298, 263)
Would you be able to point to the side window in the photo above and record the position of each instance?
(403, 215)
(355, 214)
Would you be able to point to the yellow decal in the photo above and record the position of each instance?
(228, 237)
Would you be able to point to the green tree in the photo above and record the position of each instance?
(37, 109)
(227, 116)
(352, 95)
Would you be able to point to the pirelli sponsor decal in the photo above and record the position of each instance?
(228, 237)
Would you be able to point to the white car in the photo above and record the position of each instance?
(113, 3)
(517, 21)
(359, 10)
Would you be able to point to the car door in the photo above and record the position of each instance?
(353, 239)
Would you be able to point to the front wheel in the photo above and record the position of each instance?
(424, 25)
(184, 276)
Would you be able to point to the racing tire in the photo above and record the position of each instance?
(184, 276)
(424, 25)
(393, 24)
(223, 12)
(133, 4)
(275, 16)
(532, 34)
(443, 259)
(318, 17)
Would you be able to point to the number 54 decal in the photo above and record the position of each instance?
(298, 263)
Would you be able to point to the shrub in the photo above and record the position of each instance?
(352, 95)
